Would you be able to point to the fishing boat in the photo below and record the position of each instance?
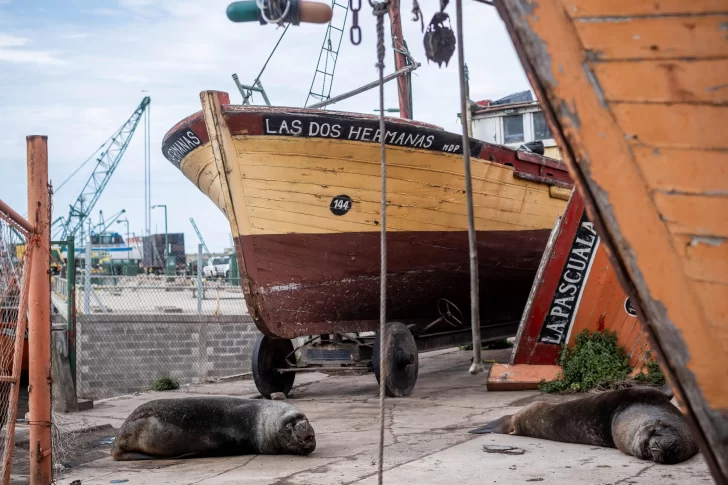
(635, 93)
(300, 188)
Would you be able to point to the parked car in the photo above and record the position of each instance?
(217, 267)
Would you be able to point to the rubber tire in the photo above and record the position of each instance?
(270, 354)
(407, 340)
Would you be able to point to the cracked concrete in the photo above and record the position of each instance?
(426, 439)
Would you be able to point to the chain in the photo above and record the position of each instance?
(355, 33)
(417, 14)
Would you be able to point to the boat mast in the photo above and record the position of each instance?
(404, 82)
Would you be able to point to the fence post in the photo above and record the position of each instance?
(39, 304)
(71, 299)
(87, 278)
(199, 278)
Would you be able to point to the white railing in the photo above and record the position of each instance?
(119, 294)
(60, 286)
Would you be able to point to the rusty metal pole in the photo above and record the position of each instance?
(39, 303)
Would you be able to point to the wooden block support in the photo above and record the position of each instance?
(520, 377)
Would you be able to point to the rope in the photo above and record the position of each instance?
(275, 11)
(380, 10)
(257, 78)
(477, 366)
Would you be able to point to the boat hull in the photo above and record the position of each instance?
(635, 93)
(301, 190)
(311, 283)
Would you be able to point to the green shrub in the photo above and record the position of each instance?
(653, 377)
(165, 384)
(595, 361)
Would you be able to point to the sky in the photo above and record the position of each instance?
(75, 70)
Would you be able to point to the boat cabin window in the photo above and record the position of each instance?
(513, 128)
(540, 127)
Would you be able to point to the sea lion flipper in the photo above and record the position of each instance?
(131, 456)
(501, 425)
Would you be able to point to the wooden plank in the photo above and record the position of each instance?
(680, 170)
(694, 214)
(224, 154)
(622, 8)
(675, 81)
(672, 37)
(673, 126)
(714, 297)
(704, 259)
(337, 157)
(365, 217)
(396, 186)
(520, 377)
(618, 199)
(411, 204)
(431, 200)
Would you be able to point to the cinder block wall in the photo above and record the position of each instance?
(121, 354)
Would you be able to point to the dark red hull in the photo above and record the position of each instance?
(317, 283)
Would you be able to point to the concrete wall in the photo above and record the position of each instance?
(120, 354)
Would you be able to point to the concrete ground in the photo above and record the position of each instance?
(426, 439)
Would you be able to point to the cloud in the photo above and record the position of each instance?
(10, 52)
(76, 35)
(16, 56)
(107, 12)
(7, 40)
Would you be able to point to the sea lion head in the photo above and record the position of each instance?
(663, 443)
(297, 436)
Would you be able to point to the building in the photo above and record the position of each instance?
(512, 121)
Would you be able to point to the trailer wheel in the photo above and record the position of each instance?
(269, 355)
(401, 359)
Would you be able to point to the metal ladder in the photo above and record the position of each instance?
(323, 78)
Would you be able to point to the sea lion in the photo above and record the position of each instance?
(639, 421)
(212, 426)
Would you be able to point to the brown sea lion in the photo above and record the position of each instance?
(212, 426)
(639, 421)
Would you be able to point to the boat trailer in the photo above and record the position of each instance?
(276, 361)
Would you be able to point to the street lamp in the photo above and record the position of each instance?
(128, 254)
(166, 241)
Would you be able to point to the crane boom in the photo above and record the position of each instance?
(108, 159)
(104, 224)
(202, 241)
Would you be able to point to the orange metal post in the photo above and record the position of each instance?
(39, 302)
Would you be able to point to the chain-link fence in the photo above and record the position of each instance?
(13, 339)
(132, 333)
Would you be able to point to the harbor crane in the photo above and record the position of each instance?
(107, 158)
(104, 224)
(202, 241)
